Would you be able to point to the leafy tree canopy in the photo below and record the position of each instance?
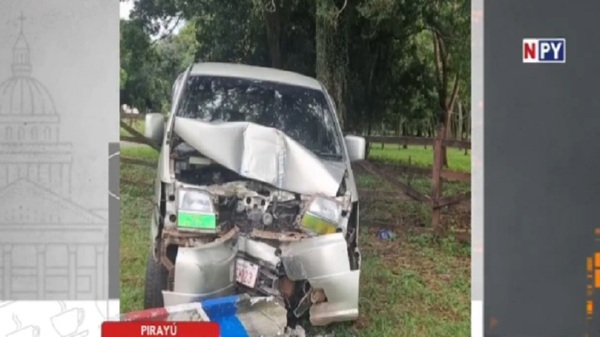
(391, 65)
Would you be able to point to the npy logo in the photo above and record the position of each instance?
(544, 50)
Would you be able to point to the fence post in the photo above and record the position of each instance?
(436, 177)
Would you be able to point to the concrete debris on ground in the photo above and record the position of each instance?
(262, 316)
(299, 331)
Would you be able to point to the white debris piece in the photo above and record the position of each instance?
(298, 331)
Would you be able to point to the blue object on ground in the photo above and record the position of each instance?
(224, 311)
(385, 234)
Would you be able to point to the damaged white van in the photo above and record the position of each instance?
(255, 194)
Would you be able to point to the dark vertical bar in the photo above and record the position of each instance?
(542, 177)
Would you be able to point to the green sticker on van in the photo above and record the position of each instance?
(193, 220)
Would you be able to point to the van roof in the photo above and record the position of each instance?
(255, 73)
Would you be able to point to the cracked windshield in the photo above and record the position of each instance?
(301, 113)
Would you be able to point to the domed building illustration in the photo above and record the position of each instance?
(50, 247)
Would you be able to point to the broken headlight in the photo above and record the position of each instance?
(196, 211)
(322, 216)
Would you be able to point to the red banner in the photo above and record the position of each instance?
(162, 329)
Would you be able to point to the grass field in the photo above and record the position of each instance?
(419, 156)
(410, 286)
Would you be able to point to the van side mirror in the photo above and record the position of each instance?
(356, 147)
(155, 127)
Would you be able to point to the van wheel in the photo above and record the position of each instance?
(157, 278)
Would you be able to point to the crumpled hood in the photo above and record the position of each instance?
(264, 154)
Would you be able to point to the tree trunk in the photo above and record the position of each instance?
(370, 102)
(468, 132)
(461, 121)
(332, 52)
(469, 121)
(448, 124)
(449, 105)
(400, 127)
(430, 129)
(273, 26)
(404, 132)
(446, 99)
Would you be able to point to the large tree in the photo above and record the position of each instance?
(381, 61)
(388, 64)
(449, 25)
(332, 58)
(140, 81)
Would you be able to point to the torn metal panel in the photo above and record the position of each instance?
(262, 153)
(323, 261)
(204, 269)
(315, 257)
(342, 293)
(259, 250)
(171, 298)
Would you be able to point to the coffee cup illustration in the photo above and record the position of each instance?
(68, 322)
(5, 303)
(28, 331)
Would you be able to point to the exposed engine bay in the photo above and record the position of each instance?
(247, 204)
(221, 232)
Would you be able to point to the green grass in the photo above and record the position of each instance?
(138, 152)
(410, 286)
(136, 208)
(419, 156)
(449, 188)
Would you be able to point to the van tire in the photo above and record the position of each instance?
(157, 278)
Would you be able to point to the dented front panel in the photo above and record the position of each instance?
(273, 204)
(208, 272)
(342, 291)
(324, 262)
(261, 251)
(315, 257)
(261, 153)
(204, 269)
